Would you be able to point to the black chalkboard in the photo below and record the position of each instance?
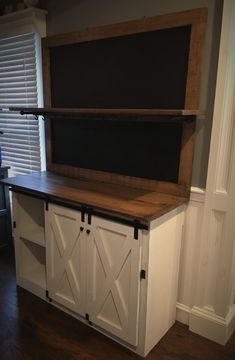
(146, 70)
(149, 150)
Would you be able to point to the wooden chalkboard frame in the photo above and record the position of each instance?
(197, 19)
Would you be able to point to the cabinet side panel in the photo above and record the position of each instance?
(164, 253)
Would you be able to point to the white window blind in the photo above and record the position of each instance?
(19, 87)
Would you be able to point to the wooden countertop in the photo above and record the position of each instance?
(139, 204)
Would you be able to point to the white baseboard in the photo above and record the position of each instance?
(211, 326)
(182, 313)
(203, 321)
(206, 323)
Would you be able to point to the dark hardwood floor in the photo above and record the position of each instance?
(33, 329)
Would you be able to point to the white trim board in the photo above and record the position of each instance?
(203, 321)
(213, 327)
(206, 323)
(189, 260)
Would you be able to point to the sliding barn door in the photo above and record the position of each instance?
(114, 278)
(65, 247)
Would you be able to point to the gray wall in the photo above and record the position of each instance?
(71, 15)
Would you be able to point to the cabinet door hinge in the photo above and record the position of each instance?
(142, 274)
(89, 213)
(83, 210)
(88, 319)
(136, 229)
(47, 295)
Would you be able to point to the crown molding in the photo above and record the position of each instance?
(23, 21)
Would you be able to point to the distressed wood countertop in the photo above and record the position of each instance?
(139, 204)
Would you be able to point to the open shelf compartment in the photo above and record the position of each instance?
(31, 267)
(29, 234)
(30, 219)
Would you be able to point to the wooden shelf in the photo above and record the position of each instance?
(108, 112)
(31, 266)
(36, 236)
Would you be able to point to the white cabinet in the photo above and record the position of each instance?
(94, 270)
(98, 271)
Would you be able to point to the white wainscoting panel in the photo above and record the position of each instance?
(190, 254)
(207, 282)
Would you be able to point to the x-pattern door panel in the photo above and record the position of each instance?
(113, 278)
(65, 258)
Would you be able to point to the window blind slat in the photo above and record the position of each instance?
(23, 136)
(20, 123)
(11, 121)
(18, 87)
(17, 74)
(22, 151)
(25, 160)
(18, 82)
